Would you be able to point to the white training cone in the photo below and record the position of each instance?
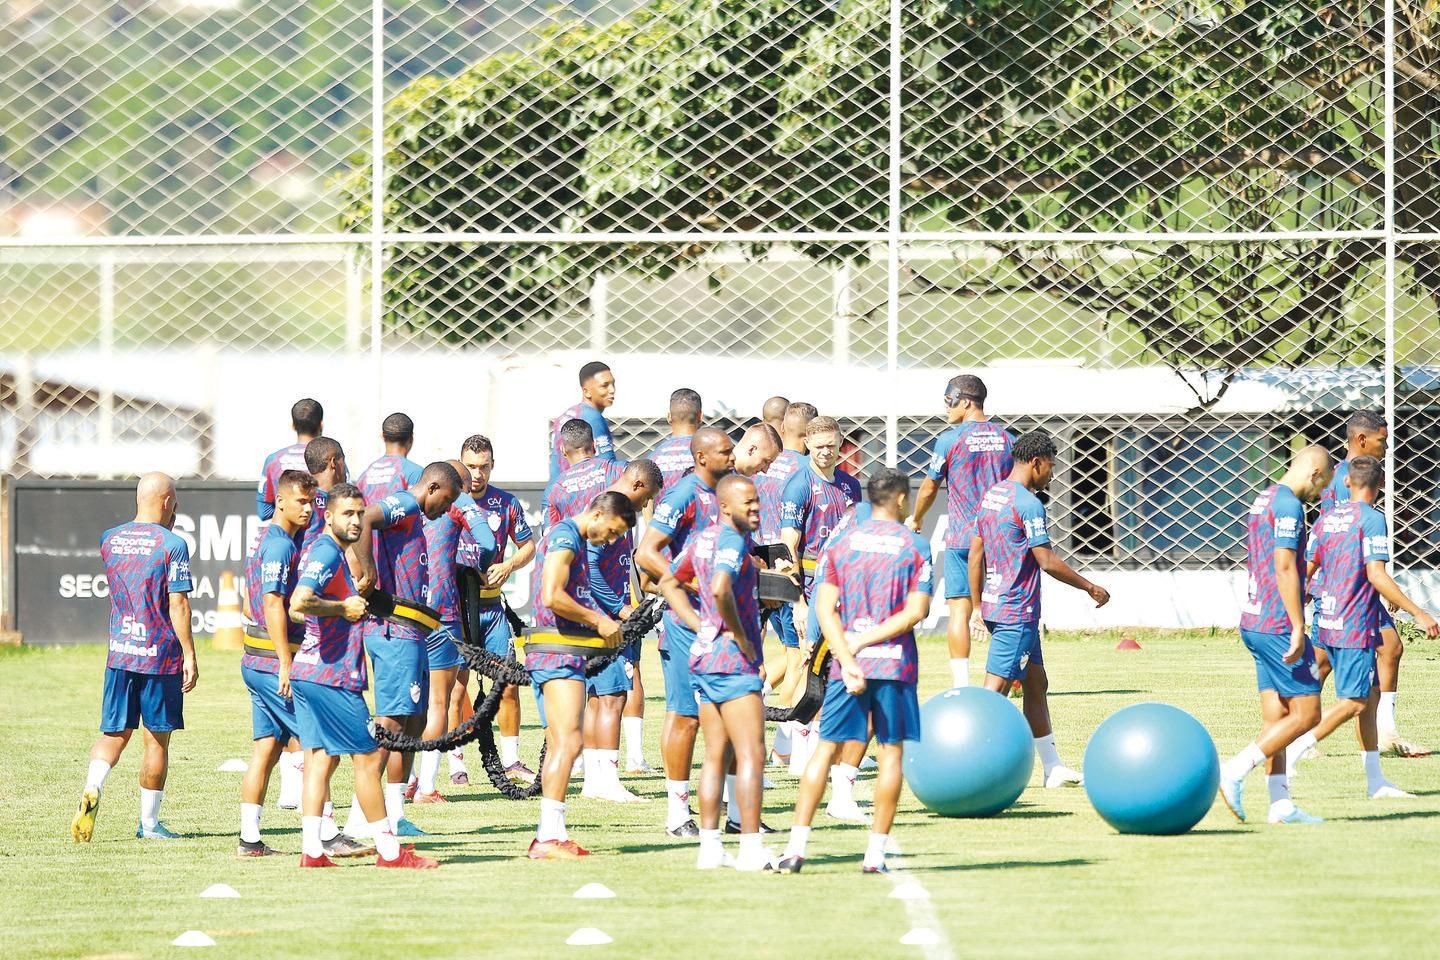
(192, 938)
(233, 766)
(920, 937)
(219, 891)
(594, 891)
(588, 937)
(910, 890)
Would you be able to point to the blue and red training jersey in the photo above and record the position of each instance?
(565, 535)
(1347, 537)
(505, 517)
(390, 474)
(331, 654)
(1276, 522)
(814, 506)
(876, 565)
(599, 426)
(442, 544)
(1010, 523)
(570, 493)
(720, 548)
(672, 455)
(271, 567)
(286, 458)
(969, 458)
(770, 486)
(144, 564)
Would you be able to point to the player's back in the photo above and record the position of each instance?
(971, 458)
(1338, 490)
(770, 486)
(389, 474)
(1011, 520)
(1276, 519)
(673, 456)
(290, 457)
(141, 561)
(1347, 538)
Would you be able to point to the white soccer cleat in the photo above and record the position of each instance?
(713, 857)
(1293, 815)
(1063, 776)
(1389, 791)
(614, 794)
(755, 862)
(868, 764)
(849, 812)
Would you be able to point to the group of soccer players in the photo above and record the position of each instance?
(343, 572)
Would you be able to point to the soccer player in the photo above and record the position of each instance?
(151, 662)
(1352, 545)
(506, 519)
(585, 474)
(327, 681)
(725, 661)
(568, 628)
(307, 420)
(758, 447)
(672, 455)
(687, 509)
(876, 587)
(597, 391)
(815, 499)
(773, 413)
(1009, 548)
(1367, 435)
(394, 471)
(1272, 625)
(325, 460)
(970, 457)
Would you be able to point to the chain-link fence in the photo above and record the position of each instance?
(1183, 235)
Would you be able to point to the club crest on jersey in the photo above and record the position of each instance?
(495, 523)
(414, 692)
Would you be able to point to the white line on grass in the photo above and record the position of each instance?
(919, 909)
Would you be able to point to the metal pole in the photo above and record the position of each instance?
(106, 419)
(892, 248)
(1390, 266)
(377, 198)
(599, 311)
(840, 315)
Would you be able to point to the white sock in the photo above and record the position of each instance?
(875, 849)
(751, 846)
(732, 805)
(310, 844)
(250, 822)
(394, 804)
(633, 728)
(509, 751)
(552, 821)
(1374, 779)
(1385, 716)
(1049, 756)
(429, 770)
(1297, 749)
(592, 777)
(1238, 766)
(679, 806)
(292, 780)
(457, 760)
(842, 784)
(385, 843)
(1279, 785)
(328, 830)
(799, 836)
(607, 770)
(95, 776)
(960, 671)
(709, 838)
(150, 807)
(357, 816)
(783, 738)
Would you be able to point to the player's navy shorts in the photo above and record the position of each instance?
(675, 665)
(332, 719)
(1013, 647)
(1353, 671)
(402, 670)
(614, 679)
(271, 715)
(957, 573)
(1298, 679)
(497, 630)
(724, 687)
(544, 667)
(440, 650)
(131, 697)
(892, 706)
(781, 619)
(1387, 619)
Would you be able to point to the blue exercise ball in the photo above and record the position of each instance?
(1151, 768)
(974, 756)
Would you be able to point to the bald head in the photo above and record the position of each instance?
(155, 499)
(714, 454)
(461, 471)
(739, 502)
(757, 449)
(773, 412)
(1310, 472)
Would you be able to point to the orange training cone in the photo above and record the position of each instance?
(1127, 643)
(229, 625)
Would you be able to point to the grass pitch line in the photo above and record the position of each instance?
(925, 931)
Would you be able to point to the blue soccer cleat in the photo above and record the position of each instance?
(1295, 815)
(407, 829)
(1233, 793)
(157, 832)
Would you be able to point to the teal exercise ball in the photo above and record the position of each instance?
(1151, 768)
(974, 756)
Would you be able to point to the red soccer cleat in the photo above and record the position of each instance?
(408, 860)
(435, 797)
(320, 861)
(556, 850)
(410, 789)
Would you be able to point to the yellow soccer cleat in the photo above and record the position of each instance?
(82, 828)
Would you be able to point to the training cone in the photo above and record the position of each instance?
(1127, 642)
(220, 891)
(588, 937)
(229, 624)
(193, 938)
(594, 891)
(233, 765)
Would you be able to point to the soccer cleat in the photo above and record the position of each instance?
(321, 861)
(288, 803)
(407, 829)
(713, 857)
(254, 848)
(731, 827)
(1233, 793)
(849, 812)
(407, 859)
(342, 846)
(556, 850)
(687, 829)
(883, 869)
(519, 773)
(1392, 745)
(640, 769)
(616, 794)
(1294, 815)
(460, 779)
(1389, 791)
(1063, 776)
(410, 789)
(756, 862)
(789, 864)
(868, 763)
(435, 797)
(157, 832)
(82, 828)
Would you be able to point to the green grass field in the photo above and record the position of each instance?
(1046, 879)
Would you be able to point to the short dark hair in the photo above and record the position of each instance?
(295, 478)
(1364, 421)
(576, 434)
(1035, 445)
(646, 470)
(886, 485)
(343, 491)
(685, 405)
(612, 504)
(1366, 473)
(592, 370)
(307, 416)
(967, 386)
(477, 443)
(320, 451)
(397, 428)
(440, 471)
(798, 416)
